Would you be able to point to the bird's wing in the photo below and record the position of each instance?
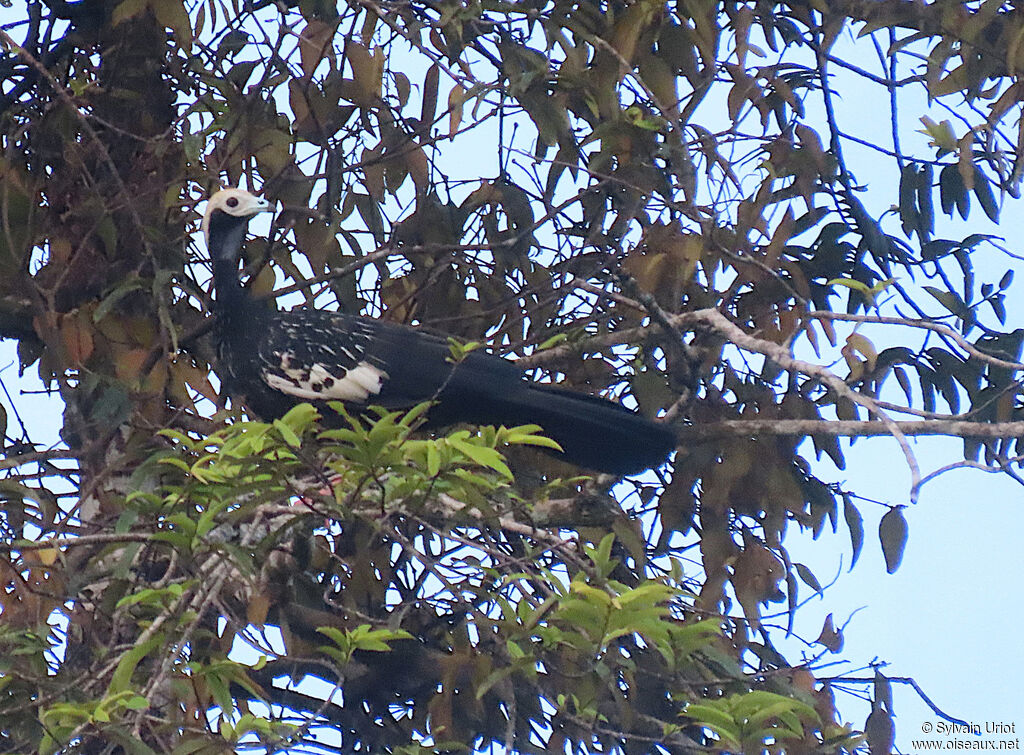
(316, 355)
(320, 356)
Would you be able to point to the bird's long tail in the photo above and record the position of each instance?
(593, 432)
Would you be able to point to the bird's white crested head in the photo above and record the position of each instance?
(237, 203)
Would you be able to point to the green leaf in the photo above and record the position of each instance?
(156, 597)
(433, 459)
(856, 285)
(458, 350)
(218, 687)
(301, 416)
(111, 299)
(718, 720)
(529, 435)
(602, 555)
(485, 457)
(287, 434)
(122, 678)
(412, 416)
(136, 702)
(554, 340)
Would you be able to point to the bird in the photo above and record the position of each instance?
(271, 360)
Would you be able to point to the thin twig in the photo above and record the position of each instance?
(898, 680)
(944, 330)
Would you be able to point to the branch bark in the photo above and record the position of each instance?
(850, 428)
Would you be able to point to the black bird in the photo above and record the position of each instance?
(274, 360)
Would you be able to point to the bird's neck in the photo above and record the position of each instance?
(230, 296)
(231, 301)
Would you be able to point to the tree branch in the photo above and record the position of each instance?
(850, 428)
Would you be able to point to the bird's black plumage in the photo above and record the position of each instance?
(274, 360)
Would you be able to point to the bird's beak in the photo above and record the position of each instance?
(262, 205)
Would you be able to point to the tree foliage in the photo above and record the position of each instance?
(649, 200)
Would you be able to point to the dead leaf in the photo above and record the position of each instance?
(892, 531)
(830, 637)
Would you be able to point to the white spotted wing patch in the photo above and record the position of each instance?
(319, 382)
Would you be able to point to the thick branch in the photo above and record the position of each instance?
(850, 428)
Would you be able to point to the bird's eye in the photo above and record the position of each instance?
(232, 202)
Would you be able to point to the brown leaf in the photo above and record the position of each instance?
(880, 732)
(756, 576)
(630, 25)
(825, 702)
(741, 22)
(855, 523)
(369, 26)
(862, 344)
(965, 161)
(892, 531)
(367, 72)
(717, 548)
(677, 506)
(811, 142)
(299, 105)
(666, 262)
(402, 86)
(456, 99)
(855, 363)
(429, 108)
(314, 45)
(830, 637)
(661, 80)
(128, 363)
(76, 334)
(373, 171)
(174, 17)
(829, 329)
(198, 379)
(812, 336)
(257, 609)
(419, 167)
(629, 533)
(783, 232)
(883, 690)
